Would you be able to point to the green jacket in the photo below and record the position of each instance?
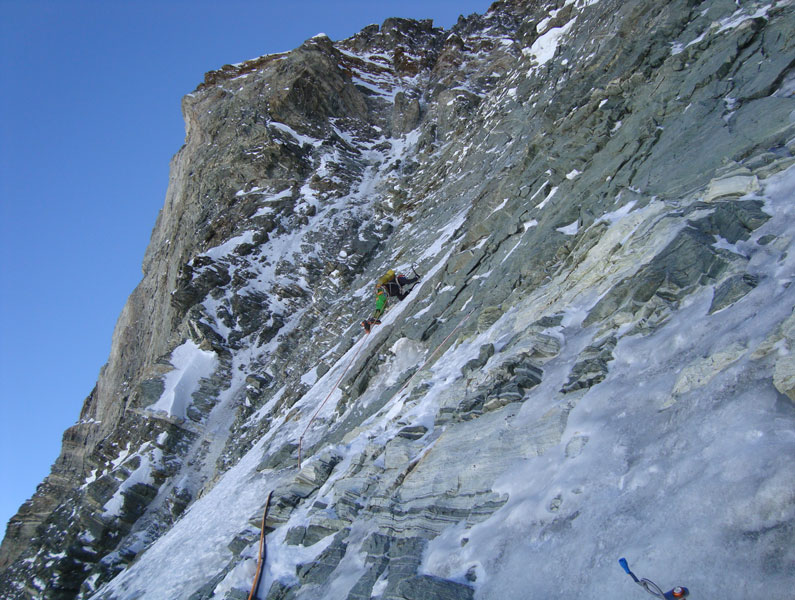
(380, 301)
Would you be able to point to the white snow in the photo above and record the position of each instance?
(723, 244)
(539, 190)
(543, 49)
(570, 229)
(265, 210)
(443, 236)
(500, 207)
(310, 377)
(739, 17)
(610, 489)
(227, 247)
(619, 213)
(121, 457)
(300, 138)
(142, 474)
(191, 364)
(551, 193)
(676, 483)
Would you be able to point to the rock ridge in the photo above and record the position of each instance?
(596, 194)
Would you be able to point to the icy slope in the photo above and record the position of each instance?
(689, 484)
(596, 363)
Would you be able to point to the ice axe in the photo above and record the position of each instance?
(653, 588)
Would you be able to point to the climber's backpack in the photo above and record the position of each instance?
(386, 278)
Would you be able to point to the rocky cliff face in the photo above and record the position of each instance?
(597, 360)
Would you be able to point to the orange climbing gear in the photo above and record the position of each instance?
(261, 558)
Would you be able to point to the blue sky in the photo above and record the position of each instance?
(90, 106)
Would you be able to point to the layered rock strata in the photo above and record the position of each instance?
(572, 178)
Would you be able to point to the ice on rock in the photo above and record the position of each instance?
(596, 363)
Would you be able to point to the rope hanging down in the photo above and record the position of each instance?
(457, 327)
(322, 404)
(405, 385)
(262, 550)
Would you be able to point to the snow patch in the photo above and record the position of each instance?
(301, 139)
(543, 49)
(191, 364)
(570, 229)
(551, 193)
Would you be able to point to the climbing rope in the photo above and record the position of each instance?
(322, 404)
(457, 327)
(405, 385)
(262, 550)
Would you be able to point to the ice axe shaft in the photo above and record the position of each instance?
(651, 587)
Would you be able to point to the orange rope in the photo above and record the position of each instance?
(322, 404)
(261, 558)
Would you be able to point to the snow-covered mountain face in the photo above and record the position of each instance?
(596, 363)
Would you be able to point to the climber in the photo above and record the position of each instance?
(389, 284)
